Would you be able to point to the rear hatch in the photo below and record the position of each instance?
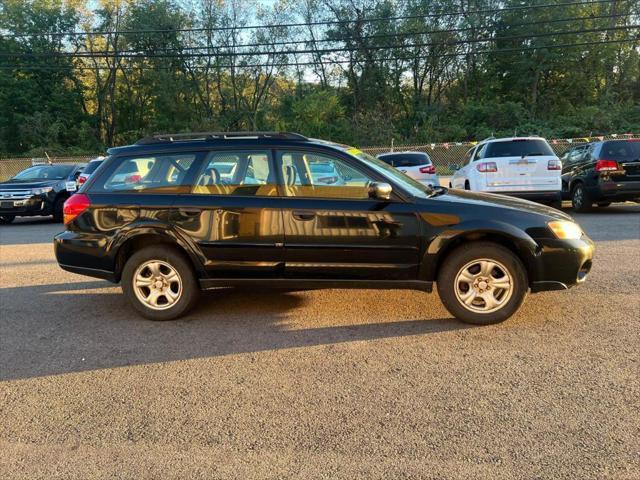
(626, 153)
(522, 165)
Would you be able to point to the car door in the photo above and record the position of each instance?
(233, 214)
(336, 231)
(460, 176)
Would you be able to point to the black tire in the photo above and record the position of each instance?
(580, 201)
(604, 204)
(189, 292)
(6, 219)
(468, 253)
(58, 210)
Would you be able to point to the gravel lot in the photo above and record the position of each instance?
(324, 384)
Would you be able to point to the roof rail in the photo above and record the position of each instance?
(172, 137)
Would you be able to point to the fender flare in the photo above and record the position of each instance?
(152, 227)
(439, 247)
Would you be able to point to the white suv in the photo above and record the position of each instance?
(523, 167)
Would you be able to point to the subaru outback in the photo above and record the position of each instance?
(175, 214)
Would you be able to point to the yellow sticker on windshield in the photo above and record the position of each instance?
(354, 151)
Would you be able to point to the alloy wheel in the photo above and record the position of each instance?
(157, 285)
(483, 286)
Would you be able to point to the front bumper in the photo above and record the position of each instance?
(27, 207)
(561, 264)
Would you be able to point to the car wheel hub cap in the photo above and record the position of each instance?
(483, 286)
(157, 285)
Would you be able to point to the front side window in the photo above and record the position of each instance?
(318, 175)
(151, 174)
(237, 173)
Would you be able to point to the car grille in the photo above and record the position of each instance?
(15, 194)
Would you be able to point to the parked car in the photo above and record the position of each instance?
(417, 165)
(91, 167)
(178, 228)
(39, 190)
(601, 173)
(524, 167)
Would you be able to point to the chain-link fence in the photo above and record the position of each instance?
(442, 154)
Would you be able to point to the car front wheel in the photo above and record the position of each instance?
(482, 283)
(6, 219)
(159, 282)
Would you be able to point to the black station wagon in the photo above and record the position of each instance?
(174, 214)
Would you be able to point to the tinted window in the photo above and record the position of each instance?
(518, 148)
(621, 150)
(237, 173)
(303, 177)
(151, 174)
(406, 159)
(45, 172)
(92, 166)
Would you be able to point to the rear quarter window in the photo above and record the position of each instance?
(170, 173)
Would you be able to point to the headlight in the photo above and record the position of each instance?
(40, 191)
(566, 230)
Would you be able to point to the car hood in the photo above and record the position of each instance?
(17, 184)
(501, 201)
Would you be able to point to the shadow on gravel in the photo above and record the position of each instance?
(82, 330)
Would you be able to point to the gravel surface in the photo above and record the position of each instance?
(324, 384)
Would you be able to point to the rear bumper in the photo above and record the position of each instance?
(613, 191)
(84, 254)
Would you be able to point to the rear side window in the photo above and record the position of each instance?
(406, 159)
(518, 148)
(150, 174)
(621, 150)
(237, 173)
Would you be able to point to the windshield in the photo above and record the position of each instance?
(405, 159)
(413, 187)
(518, 148)
(92, 166)
(45, 172)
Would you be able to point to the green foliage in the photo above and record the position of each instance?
(416, 89)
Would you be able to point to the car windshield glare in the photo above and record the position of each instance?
(45, 172)
(412, 186)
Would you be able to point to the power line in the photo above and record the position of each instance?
(122, 55)
(327, 62)
(310, 24)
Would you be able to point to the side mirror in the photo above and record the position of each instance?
(380, 190)
(454, 166)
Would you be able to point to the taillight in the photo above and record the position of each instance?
(430, 169)
(81, 180)
(606, 165)
(487, 167)
(74, 206)
(554, 165)
(135, 178)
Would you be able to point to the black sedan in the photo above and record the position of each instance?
(39, 190)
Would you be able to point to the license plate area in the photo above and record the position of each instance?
(6, 204)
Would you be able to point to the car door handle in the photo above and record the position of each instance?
(302, 215)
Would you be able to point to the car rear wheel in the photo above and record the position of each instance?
(160, 283)
(482, 283)
(579, 199)
(6, 219)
